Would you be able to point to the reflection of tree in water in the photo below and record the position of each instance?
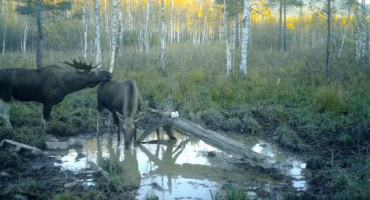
(167, 165)
(127, 169)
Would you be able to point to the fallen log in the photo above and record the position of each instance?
(214, 139)
(21, 147)
(223, 143)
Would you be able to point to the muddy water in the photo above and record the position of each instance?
(183, 170)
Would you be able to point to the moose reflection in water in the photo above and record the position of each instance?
(127, 170)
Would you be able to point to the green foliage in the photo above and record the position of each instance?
(315, 163)
(26, 186)
(289, 138)
(231, 194)
(65, 196)
(94, 195)
(9, 158)
(331, 98)
(345, 138)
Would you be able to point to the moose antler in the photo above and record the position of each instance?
(81, 65)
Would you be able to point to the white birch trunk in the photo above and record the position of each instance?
(204, 29)
(84, 50)
(178, 31)
(113, 37)
(171, 23)
(357, 38)
(25, 35)
(363, 37)
(345, 33)
(162, 38)
(243, 62)
(129, 15)
(98, 58)
(120, 29)
(106, 17)
(5, 26)
(228, 53)
(146, 36)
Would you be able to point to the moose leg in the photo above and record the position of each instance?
(110, 122)
(169, 131)
(100, 115)
(46, 111)
(4, 113)
(117, 122)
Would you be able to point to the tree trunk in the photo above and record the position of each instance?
(280, 26)
(345, 33)
(129, 15)
(237, 22)
(327, 66)
(228, 53)
(284, 25)
(5, 26)
(146, 36)
(84, 50)
(243, 62)
(363, 37)
(113, 37)
(171, 23)
(97, 34)
(25, 35)
(162, 38)
(120, 29)
(178, 31)
(106, 17)
(357, 38)
(40, 36)
(204, 29)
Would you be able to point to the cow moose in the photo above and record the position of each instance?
(119, 98)
(48, 85)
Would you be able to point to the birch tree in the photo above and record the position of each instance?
(345, 32)
(120, 28)
(357, 38)
(244, 50)
(162, 38)
(25, 35)
(228, 53)
(97, 34)
(84, 50)
(113, 37)
(327, 65)
(146, 31)
(363, 36)
(6, 24)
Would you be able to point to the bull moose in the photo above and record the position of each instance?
(122, 98)
(48, 85)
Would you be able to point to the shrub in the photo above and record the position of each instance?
(330, 98)
(289, 138)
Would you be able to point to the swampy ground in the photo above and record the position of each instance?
(285, 100)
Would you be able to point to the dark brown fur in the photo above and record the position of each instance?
(123, 98)
(48, 85)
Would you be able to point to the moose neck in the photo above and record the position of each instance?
(75, 81)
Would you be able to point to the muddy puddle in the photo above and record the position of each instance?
(189, 169)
